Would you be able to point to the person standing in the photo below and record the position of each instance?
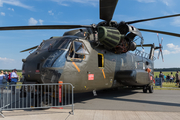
(177, 78)
(6, 76)
(9, 77)
(14, 79)
(2, 76)
(161, 75)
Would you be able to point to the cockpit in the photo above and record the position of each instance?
(65, 49)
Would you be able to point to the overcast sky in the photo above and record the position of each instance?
(85, 12)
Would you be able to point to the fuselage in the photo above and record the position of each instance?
(74, 60)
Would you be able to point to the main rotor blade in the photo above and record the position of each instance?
(29, 49)
(36, 27)
(162, 32)
(145, 45)
(143, 20)
(107, 8)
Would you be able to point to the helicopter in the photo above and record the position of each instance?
(93, 57)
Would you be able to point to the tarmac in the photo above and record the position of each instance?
(110, 105)
(63, 114)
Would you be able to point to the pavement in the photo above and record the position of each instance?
(63, 114)
(111, 105)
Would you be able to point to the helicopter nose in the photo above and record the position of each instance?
(50, 76)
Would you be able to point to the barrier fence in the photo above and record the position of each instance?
(36, 96)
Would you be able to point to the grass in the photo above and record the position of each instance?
(167, 86)
(165, 73)
(19, 74)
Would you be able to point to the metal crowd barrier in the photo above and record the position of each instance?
(36, 96)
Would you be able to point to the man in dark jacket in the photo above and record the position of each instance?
(177, 78)
(161, 75)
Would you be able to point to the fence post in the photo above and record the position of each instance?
(1, 98)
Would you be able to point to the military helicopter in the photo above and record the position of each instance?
(93, 57)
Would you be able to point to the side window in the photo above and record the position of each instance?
(135, 64)
(100, 60)
(122, 62)
(143, 65)
(78, 50)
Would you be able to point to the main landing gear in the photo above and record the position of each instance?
(149, 87)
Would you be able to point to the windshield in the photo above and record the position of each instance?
(57, 59)
(46, 44)
(55, 44)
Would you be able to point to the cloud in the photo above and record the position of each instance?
(173, 49)
(166, 2)
(6, 59)
(50, 12)
(2, 13)
(171, 45)
(41, 21)
(33, 21)
(166, 52)
(11, 9)
(67, 2)
(15, 3)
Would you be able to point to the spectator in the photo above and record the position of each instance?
(161, 75)
(14, 79)
(171, 77)
(2, 77)
(9, 77)
(168, 78)
(177, 78)
(6, 77)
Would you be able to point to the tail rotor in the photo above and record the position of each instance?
(160, 48)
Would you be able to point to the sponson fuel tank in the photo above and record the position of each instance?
(133, 77)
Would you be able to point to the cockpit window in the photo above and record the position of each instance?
(80, 48)
(63, 44)
(55, 44)
(46, 44)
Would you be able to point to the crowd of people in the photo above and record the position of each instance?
(10, 77)
(170, 78)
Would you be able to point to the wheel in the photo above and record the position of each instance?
(46, 101)
(22, 92)
(151, 90)
(145, 89)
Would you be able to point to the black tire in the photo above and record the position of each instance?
(145, 89)
(151, 90)
(44, 102)
(22, 92)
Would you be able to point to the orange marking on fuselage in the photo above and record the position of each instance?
(76, 66)
(103, 73)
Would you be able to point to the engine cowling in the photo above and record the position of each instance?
(110, 37)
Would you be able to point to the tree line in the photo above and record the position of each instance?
(8, 70)
(166, 69)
